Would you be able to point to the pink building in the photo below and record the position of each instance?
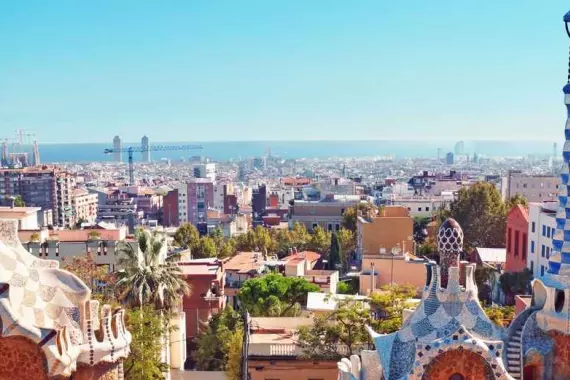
(199, 197)
(517, 238)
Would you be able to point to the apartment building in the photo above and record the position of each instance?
(391, 229)
(535, 188)
(541, 228)
(327, 213)
(46, 187)
(84, 206)
(194, 199)
(206, 171)
(517, 239)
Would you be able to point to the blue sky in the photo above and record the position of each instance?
(200, 70)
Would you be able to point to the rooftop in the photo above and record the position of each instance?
(200, 267)
(245, 262)
(328, 302)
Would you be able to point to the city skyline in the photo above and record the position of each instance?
(296, 71)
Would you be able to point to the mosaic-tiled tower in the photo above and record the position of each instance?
(449, 246)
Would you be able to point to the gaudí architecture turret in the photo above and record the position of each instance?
(50, 327)
(449, 337)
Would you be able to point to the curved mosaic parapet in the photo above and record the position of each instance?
(52, 308)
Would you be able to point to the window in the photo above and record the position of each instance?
(315, 225)
(542, 251)
(337, 227)
(548, 252)
(542, 270)
(532, 246)
(517, 235)
(524, 246)
(330, 227)
(543, 230)
(548, 232)
(419, 209)
(427, 208)
(532, 266)
(533, 227)
(510, 240)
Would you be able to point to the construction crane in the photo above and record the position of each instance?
(154, 148)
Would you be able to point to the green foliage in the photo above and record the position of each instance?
(335, 254)
(390, 303)
(88, 271)
(187, 236)
(516, 199)
(333, 333)
(147, 328)
(420, 225)
(484, 278)
(146, 278)
(274, 295)
(258, 239)
(234, 355)
(19, 202)
(94, 235)
(205, 248)
(350, 215)
(481, 213)
(219, 340)
(429, 250)
(516, 282)
(346, 287)
(320, 241)
(501, 315)
(285, 239)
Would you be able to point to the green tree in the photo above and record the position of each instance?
(481, 213)
(346, 288)
(147, 278)
(147, 328)
(258, 239)
(350, 215)
(187, 236)
(516, 199)
(19, 201)
(335, 253)
(87, 270)
(297, 237)
(333, 334)
(390, 303)
(205, 248)
(274, 295)
(234, 355)
(94, 235)
(501, 315)
(514, 283)
(35, 237)
(320, 240)
(420, 226)
(215, 343)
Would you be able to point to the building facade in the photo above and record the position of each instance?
(541, 227)
(535, 188)
(84, 206)
(517, 239)
(327, 213)
(117, 146)
(145, 149)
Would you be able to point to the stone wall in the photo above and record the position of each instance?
(463, 362)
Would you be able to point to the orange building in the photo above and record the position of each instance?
(517, 241)
(392, 229)
(273, 352)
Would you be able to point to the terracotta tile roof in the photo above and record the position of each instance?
(245, 262)
(308, 255)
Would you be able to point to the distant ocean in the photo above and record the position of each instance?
(222, 151)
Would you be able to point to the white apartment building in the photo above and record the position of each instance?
(84, 205)
(183, 203)
(535, 188)
(206, 171)
(541, 227)
(422, 206)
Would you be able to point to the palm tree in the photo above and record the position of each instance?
(147, 278)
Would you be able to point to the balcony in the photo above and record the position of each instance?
(212, 296)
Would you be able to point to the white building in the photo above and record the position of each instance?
(541, 226)
(183, 203)
(535, 188)
(206, 171)
(84, 205)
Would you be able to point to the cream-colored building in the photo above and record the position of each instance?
(389, 231)
(535, 188)
(327, 213)
(84, 205)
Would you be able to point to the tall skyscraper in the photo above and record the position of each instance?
(449, 159)
(459, 148)
(117, 146)
(145, 151)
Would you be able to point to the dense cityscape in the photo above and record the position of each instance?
(449, 266)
